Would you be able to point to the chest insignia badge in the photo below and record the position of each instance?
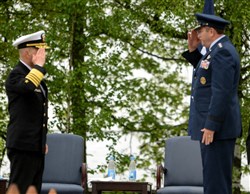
(203, 80)
(204, 64)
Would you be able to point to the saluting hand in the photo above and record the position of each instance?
(39, 57)
(193, 40)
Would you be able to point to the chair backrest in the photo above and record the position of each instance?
(64, 159)
(183, 162)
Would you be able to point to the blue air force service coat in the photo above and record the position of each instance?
(27, 106)
(214, 102)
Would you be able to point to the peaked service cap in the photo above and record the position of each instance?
(211, 21)
(36, 39)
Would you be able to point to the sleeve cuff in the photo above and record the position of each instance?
(39, 68)
(212, 125)
(192, 57)
(35, 75)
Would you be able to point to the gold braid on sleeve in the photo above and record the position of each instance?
(35, 76)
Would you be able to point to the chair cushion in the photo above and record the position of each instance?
(64, 159)
(183, 162)
(62, 188)
(180, 190)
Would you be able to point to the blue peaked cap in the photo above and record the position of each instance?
(211, 21)
(207, 18)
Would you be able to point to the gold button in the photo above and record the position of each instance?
(203, 80)
(44, 125)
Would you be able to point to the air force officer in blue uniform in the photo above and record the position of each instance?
(215, 118)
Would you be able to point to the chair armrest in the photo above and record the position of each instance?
(159, 172)
(84, 175)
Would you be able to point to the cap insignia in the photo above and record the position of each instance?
(43, 37)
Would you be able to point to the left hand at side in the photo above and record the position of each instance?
(208, 136)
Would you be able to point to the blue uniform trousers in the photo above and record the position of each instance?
(217, 161)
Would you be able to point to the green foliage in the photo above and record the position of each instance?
(115, 66)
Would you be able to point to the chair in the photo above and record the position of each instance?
(64, 170)
(182, 167)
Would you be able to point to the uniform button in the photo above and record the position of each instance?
(194, 77)
(44, 125)
(44, 114)
(44, 104)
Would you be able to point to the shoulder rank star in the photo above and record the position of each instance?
(220, 45)
(205, 64)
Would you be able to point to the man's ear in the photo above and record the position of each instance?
(211, 31)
